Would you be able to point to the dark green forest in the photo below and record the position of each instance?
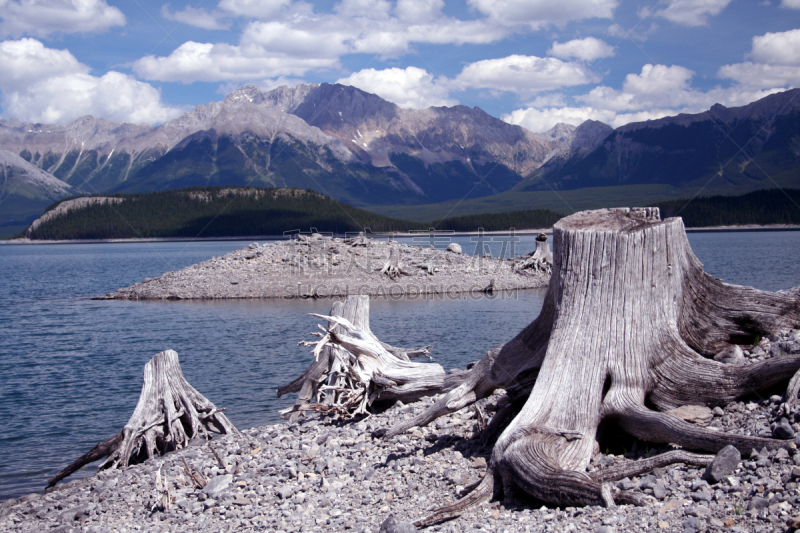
(773, 206)
(198, 212)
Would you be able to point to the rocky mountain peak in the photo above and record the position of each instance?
(561, 132)
(333, 105)
(248, 93)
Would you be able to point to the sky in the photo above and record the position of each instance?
(529, 62)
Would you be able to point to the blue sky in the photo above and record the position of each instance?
(530, 62)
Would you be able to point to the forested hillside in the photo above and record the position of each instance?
(213, 212)
(760, 207)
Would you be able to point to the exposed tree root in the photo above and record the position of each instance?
(628, 328)
(352, 369)
(392, 267)
(169, 414)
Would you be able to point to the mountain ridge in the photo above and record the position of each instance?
(362, 149)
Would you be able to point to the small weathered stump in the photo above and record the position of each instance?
(352, 369)
(540, 259)
(628, 330)
(392, 267)
(169, 414)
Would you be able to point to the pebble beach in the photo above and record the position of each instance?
(320, 266)
(322, 473)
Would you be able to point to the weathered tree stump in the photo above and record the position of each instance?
(628, 330)
(392, 267)
(169, 414)
(352, 369)
(540, 259)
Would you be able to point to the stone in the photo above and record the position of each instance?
(731, 355)
(670, 506)
(391, 525)
(605, 529)
(794, 522)
(478, 462)
(241, 500)
(285, 492)
(217, 484)
(724, 464)
(783, 430)
(758, 503)
(659, 491)
(692, 524)
(454, 247)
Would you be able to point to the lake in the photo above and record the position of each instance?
(72, 367)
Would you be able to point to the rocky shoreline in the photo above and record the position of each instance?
(318, 266)
(323, 474)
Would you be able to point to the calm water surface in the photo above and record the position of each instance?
(71, 367)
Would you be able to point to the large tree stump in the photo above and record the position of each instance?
(169, 414)
(628, 330)
(352, 369)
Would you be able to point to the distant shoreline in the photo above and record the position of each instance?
(707, 229)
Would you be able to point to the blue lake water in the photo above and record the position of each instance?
(71, 367)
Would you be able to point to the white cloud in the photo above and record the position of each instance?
(541, 120)
(761, 76)
(370, 9)
(219, 62)
(541, 13)
(692, 12)
(303, 41)
(791, 4)
(587, 49)
(41, 84)
(657, 91)
(27, 61)
(197, 17)
(777, 58)
(658, 80)
(416, 11)
(260, 9)
(44, 17)
(777, 48)
(523, 75)
(411, 87)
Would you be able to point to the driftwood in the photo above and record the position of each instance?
(352, 369)
(540, 259)
(359, 240)
(169, 414)
(628, 330)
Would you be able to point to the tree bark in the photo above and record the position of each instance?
(353, 369)
(169, 414)
(627, 329)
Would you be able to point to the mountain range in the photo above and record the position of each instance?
(357, 147)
